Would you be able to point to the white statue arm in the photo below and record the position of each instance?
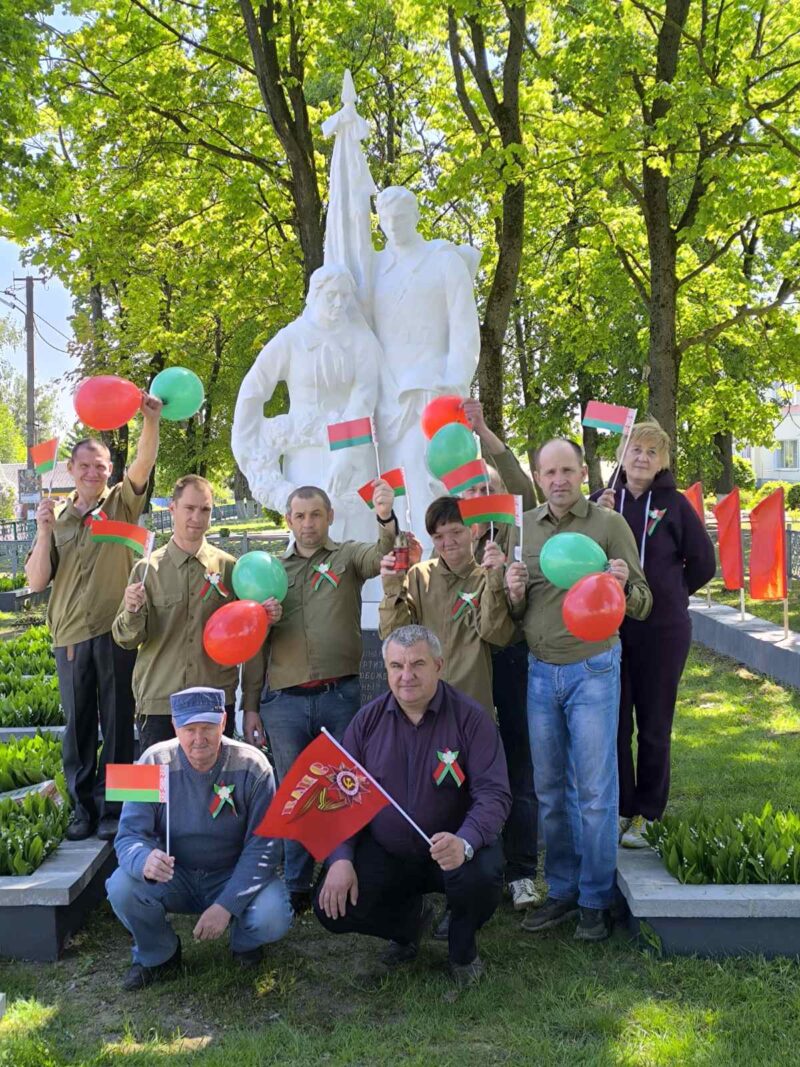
(464, 341)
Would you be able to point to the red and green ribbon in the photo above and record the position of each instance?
(448, 765)
(323, 572)
(654, 517)
(463, 601)
(98, 515)
(223, 794)
(213, 582)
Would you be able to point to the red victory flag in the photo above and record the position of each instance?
(768, 549)
(729, 540)
(326, 797)
(609, 417)
(496, 507)
(44, 456)
(473, 473)
(349, 434)
(694, 494)
(395, 479)
(128, 534)
(147, 783)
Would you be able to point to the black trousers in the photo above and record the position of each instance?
(652, 665)
(510, 692)
(94, 680)
(390, 890)
(155, 728)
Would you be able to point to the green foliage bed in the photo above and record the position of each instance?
(28, 684)
(30, 760)
(7, 583)
(29, 830)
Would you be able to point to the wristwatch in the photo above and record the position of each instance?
(469, 851)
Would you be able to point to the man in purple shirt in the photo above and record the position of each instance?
(439, 755)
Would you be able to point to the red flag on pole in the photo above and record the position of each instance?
(325, 798)
(694, 494)
(768, 549)
(729, 539)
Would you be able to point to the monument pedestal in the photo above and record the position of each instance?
(373, 672)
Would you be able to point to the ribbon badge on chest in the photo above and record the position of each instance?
(223, 794)
(98, 515)
(212, 582)
(323, 573)
(654, 517)
(448, 766)
(463, 602)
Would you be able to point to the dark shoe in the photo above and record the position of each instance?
(466, 974)
(107, 827)
(442, 930)
(249, 959)
(300, 899)
(79, 828)
(594, 925)
(552, 913)
(397, 952)
(139, 976)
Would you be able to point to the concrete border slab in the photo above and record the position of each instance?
(758, 644)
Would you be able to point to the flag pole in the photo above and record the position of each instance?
(380, 789)
(408, 497)
(625, 444)
(741, 602)
(166, 782)
(52, 473)
(375, 444)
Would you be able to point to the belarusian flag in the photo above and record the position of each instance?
(609, 417)
(396, 480)
(44, 456)
(496, 507)
(473, 473)
(136, 538)
(348, 434)
(144, 782)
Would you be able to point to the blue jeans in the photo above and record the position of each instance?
(292, 722)
(572, 717)
(142, 909)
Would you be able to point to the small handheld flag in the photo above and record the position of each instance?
(349, 434)
(44, 456)
(496, 507)
(473, 473)
(136, 538)
(612, 417)
(395, 479)
(142, 783)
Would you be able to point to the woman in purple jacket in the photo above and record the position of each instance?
(677, 557)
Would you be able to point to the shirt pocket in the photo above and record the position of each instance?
(166, 600)
(64, 535)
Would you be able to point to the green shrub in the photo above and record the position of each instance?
(7, 583)
(730, 850)
(32, 702)
(793, 497)
(28, 761)
(29, 654)
(743, 474)
(764, 490)
(29, 830)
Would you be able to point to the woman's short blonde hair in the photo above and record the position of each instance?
(649, 432)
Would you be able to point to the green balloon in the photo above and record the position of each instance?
(450, 447)
(259, 576)
(180, 391)
(567, 557)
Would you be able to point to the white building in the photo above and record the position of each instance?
(781, 463)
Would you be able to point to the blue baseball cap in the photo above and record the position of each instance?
(199, 704)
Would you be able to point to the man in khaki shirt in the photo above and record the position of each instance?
(88, 578)
(314, 652)
(164, 615)
(461, 601)
(573, 699)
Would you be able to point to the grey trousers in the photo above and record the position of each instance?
(94, 679)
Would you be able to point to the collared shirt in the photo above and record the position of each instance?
(168, 630)
(89, 576)
(467, 611)
(408, 762)
(547, 636)
(319, 635)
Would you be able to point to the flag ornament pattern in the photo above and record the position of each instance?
(349, 434)
(473, 473)
(729, 539)
(448, 766)
(323, 572)
(136, 538)
(463, 602)
(223, 794)
(146, 783)
(212, 582)
(396, 480)
(612, 417)
(496, 507)
(325, 798)
(44, 456)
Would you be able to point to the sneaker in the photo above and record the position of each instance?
(634, 835)
(552, 913)
(623, 822)
(442, 929)
(139, 976)
(81, 827)
(250, 958)
(594, 925)
(398, 952)
(467, 974)
(523, 893)
(107, 827)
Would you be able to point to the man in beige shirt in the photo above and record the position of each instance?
(164, 615)
(314, 651)
(94, 674)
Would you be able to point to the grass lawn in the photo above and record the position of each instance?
(546, 1000)
(764, 609)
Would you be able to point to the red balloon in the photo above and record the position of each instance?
(594, 607)
(235, 632)
(439, 412)
(107, 402)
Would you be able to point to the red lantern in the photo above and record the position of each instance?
(107, 402)
(594, 607)
(235, 632)
(440, 412)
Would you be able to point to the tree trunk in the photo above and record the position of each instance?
(241, 487)
(586, 393)
(723, 446)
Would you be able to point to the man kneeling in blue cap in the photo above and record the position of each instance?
(219, 791)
